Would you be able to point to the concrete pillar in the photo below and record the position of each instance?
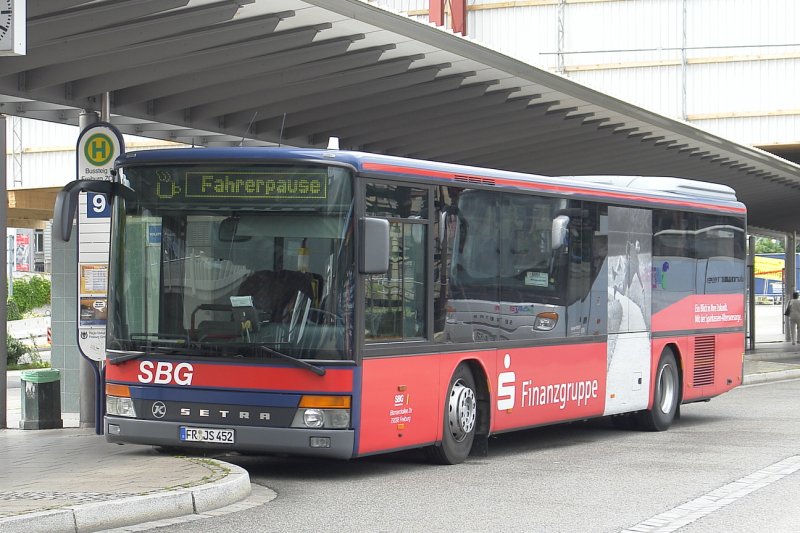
(3, 276)
(789, 281)
(751, 293)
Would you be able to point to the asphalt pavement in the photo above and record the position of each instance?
(72, 480)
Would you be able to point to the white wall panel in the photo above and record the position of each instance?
(756, 131)
(654, 88)
(753, 86)
(526, 33)
(741, 24)
(36, 134)
(47, 169)
(614, 32)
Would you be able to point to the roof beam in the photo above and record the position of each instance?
(195, 62)
(229, 39)
(54, 25)
(271, 80)
(498, 131)
(329, 98)
(240, 109)
(119, 36)
(402, 97)
(284, 50)
(446, 115)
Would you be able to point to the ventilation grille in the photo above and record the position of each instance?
(704, 360)
(475, 179)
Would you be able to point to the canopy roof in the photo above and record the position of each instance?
(295, 72)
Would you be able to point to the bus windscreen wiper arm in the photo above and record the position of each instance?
(315, 369)
(120, 356)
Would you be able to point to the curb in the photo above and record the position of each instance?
(234, 487)
(766, 377)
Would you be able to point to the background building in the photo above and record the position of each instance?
(731, 67)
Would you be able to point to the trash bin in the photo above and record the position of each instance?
(41, 399)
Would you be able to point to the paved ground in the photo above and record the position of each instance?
(72, 480)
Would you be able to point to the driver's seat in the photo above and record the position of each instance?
(274, 293)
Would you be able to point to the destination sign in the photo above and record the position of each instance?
(244, 185)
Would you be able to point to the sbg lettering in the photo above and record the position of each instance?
(164, 373)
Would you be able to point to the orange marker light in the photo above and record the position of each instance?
(336, 402)
(112, 389)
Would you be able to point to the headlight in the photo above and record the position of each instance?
(323, 412)
(322, 419)
(313, 418)
(117, 406)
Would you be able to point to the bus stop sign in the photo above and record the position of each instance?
(99, 145)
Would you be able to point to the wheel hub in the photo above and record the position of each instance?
(462, 410)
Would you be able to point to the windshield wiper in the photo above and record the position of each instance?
(297, 362)
(120, 356)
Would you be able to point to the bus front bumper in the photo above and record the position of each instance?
(335, 444)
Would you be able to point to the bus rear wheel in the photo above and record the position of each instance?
(665, 396)
(460, 420)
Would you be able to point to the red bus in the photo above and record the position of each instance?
(342, 304)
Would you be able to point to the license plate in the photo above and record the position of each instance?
(191, 434)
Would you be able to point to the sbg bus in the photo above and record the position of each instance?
(342, 304)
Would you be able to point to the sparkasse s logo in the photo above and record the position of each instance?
(506, 386)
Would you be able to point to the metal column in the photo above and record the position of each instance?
(88, 380)
(789, 281)
(751, 293)
(4, 279)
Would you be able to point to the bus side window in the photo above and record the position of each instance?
(395, 307)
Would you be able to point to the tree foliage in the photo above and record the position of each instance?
(768, 245)
(30, 293)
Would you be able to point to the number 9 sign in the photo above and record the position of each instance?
(97, 206)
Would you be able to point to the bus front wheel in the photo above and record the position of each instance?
(665, 396)
(460, 420)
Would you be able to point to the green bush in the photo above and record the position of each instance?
(17, 351)
(30, 293)
(12, 311)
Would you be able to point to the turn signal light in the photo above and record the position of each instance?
(123, 391)
(335, 402)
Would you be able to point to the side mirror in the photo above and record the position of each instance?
(64, 213)
(67, 202)
(558, 237)
(374, 246)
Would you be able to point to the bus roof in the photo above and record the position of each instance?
(670, 190)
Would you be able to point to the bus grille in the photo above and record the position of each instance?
(704, 360)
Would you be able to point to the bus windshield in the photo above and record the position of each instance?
(234, 261)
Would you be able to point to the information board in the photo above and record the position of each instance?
(99, 145)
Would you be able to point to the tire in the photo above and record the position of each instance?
(460, 420)
(665, 396)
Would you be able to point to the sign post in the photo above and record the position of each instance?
(99, 144)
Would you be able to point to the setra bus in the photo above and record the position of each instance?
(342, 304)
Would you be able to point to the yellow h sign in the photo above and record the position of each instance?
(98, 149)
